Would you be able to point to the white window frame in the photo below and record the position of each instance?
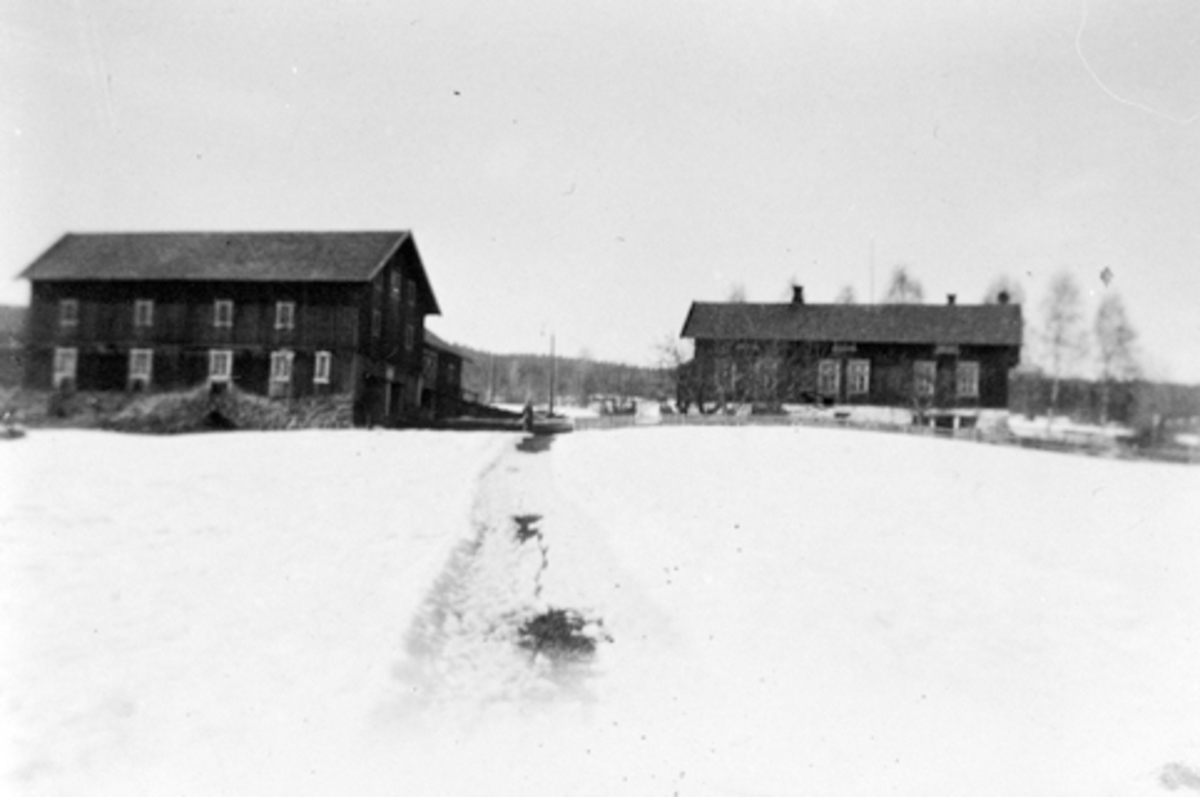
(223, 313)
(281, 366)
(829, 377)
(141, 365)
(68, 313)
(66, 365)
(220, 365)
(285, 315)
(858, 377)
(143, 313)
(966, 379)
(322, 368)
(924, 378)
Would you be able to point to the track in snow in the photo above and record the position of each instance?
(486, 632)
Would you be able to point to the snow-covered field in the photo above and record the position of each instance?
(792, 611)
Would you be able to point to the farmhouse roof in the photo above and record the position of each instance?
(222, 257)
(980, 325)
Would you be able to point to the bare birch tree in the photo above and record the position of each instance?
(1115, 341)
(903, 288)
(1063, 334)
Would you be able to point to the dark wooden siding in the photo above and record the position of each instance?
(732, 371)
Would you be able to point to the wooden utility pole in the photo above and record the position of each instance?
(553, 373)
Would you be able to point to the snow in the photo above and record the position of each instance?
(791, 609)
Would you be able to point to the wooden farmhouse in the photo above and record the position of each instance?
(924, 357)
(278, 314)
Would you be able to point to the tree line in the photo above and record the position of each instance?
(580, 380)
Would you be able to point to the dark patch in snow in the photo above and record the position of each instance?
(563, 636)
(1175, 776)
(525, 528)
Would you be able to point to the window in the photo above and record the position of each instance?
(65, 363)
(412, 294)
(858, 377)
(828, 377)
(285, 315)
(143, 313)
(322, 368)
(396, 288)
(220, 365)
(409, 336)
(281, 366)
(141, 361)
(68, 312)
(924, 376)
(223, 313)
(376, 323)
(967, 379)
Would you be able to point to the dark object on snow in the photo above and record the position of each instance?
(562, 635)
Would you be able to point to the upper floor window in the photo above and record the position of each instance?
(141, 361)
(924, 376)
(281, 366)
(828, 377)
(220, 365)
(395, 282)
(143, 313)
(285, 315)
(322, 367)
(858, 377)
(223, 313)
(66, 361)
(967, 379)
(411, 288)
(409, 336)
(68, 312)
(376, 323)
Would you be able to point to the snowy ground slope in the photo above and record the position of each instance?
(792, 610)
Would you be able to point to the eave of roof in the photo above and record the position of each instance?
(994, 325)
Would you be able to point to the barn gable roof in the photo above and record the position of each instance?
(344, 257)
(979, 325)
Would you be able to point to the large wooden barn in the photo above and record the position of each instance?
(926, 357)
(279, 314)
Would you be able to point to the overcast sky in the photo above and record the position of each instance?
(590, 168)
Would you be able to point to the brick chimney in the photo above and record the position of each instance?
(797, 294)
(1003, 297)
(951, 298)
